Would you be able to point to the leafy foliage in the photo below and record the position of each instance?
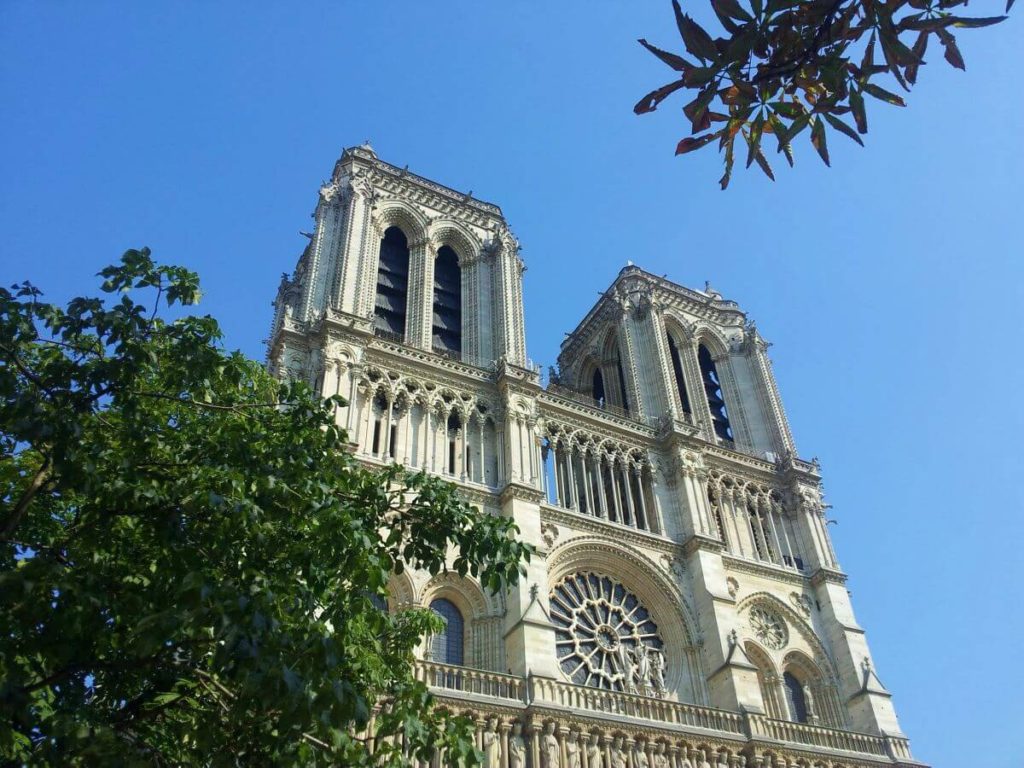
(188, 554)
(786, 66)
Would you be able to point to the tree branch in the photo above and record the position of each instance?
(40, 477)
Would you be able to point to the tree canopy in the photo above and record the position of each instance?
(785, 66)
(189, 557)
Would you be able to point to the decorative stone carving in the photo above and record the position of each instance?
(572, 749)
(549, 531)
(768, 627)
(801, 603)
(550, 752)
(516, 747)
(492, 745)
(605, 637)
(640, 759)
(594, 752)
(732, 586)
(618, 756)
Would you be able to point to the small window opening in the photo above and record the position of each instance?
(713, 392)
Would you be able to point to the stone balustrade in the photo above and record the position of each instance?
(472, 681)
(655, 718)
(648, 708)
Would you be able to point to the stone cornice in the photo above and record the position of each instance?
(827, 576)
(516, 490)
(614, 531)
(403, 181)
(765, 570)
(593, 419)
(698, 542)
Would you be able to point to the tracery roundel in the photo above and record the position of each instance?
(605, 638)
(768, 627)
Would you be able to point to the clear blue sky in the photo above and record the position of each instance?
(891, 285)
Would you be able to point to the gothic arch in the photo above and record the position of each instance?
(398, 213)
(455, 236)
(812, 643)
(401, 591)
(465, 593)
(655, 590)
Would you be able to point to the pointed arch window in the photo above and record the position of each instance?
(795, 697)
(622, 385)
(713, 392)
(677, 370)
(447, 645)
(598, 388)
(447, 322)
(392, 285)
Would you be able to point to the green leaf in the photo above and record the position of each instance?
(977, 23)
(952, 55)
(842, 127)
(695, 38)
(762, 162)
(819, 140)
(883, 95)
(860, 115)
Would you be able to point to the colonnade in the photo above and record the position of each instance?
(605, 485)
(752, 522)
(440, 439)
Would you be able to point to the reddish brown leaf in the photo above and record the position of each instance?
(650, 102)
(689, 144)
(677, 63)
(819, 141)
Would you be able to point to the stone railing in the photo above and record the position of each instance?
(543, 692)
(471, 681)
(660, 711)
(816, 736)
(583, 399)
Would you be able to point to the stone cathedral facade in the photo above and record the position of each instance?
(685, 608)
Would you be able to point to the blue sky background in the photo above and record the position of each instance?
(890, 285)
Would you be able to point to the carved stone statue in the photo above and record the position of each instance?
(628, 668)
(572, 750)
(658, 671)
(643, 667)
(812, 716)
(640, 755)
(659, 759)
(618, 756)
(703, 761)
(550, 753)
(594, 752)
(684, 758)
(492, 745)
(516, 747)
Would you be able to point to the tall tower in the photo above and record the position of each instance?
(686, 607)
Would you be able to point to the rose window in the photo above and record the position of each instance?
(768, 627)
(605, 637)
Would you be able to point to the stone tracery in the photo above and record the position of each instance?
(605, 637)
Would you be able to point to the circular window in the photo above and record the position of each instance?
(768, 627)
(605, 637)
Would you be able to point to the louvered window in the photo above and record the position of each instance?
(392, 285)
(447, 323)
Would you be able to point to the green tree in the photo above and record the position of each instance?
(189, 557)
(786, 66)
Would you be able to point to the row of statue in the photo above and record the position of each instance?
(580, 748)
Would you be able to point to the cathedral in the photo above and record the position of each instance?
(685, 608)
